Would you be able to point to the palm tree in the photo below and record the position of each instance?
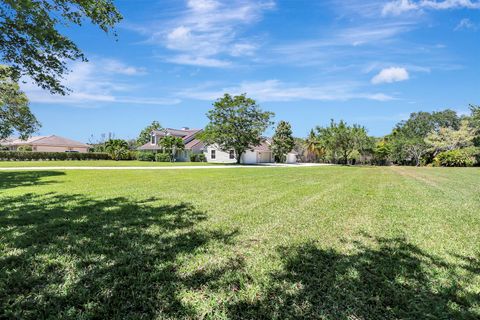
(171, 144)
(116, 148)
(314, 147)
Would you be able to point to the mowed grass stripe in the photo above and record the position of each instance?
(318, 243)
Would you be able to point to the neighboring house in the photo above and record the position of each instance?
(192, 144)
(258, 154)
(50, 143)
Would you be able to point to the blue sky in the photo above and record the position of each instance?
(367, 62)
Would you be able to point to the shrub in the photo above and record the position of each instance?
(26, 156)
(454, 158)
(162, 157)
(198, 157)
(145, 156)
(129, 155)
(24, 148)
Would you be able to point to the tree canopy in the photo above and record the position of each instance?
(145, 134)
(15, 115)
(236, 122)
(408, 137)
(31, 43)
(341, 140)
(446, 139)
(283, 141)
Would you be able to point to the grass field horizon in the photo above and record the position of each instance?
(100, 163)
(314, 242)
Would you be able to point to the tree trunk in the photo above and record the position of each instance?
(345, 158)
(239, 156)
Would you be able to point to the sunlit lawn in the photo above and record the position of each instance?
(276, 243)
(99, 163)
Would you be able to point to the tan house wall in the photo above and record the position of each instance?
(59, 149)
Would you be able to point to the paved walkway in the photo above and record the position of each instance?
(169, 168)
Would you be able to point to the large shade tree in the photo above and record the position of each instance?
(30, 40)
(475, 123)
(15, 115)
(236, 123)
(408, 137)
(446, 139)
(282, 141)
(341, 139)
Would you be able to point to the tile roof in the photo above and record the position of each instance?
(187, 135)
(51, 140)
(193, 143)
(264, 146)
(176, 132)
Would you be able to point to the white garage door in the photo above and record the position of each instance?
(264, 157)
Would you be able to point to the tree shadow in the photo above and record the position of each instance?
(10, 179)
(384, 279)
(68, 256)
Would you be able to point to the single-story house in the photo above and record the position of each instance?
(50, 143)
(258, 154)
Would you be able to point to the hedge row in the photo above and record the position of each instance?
(150, 156)
(25, 156)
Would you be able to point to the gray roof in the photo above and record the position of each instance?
(52, 140)
(187, 135)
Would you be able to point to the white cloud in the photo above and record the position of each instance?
(199, 61)
(208, 32)
(399, 7)
(118, 67)
(466, 24)
(243, 49)
(275, 90)
(94, 83)
(390, 75)
(202, 5)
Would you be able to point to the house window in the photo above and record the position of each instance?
(212, 154)
(152, 140)
(232, 154)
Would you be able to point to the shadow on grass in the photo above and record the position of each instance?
(73, 257)
(69, 256)
(386, 279)
(15, 179)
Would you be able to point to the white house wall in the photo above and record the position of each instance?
(220, 156)
(292, 158)
(249, 157)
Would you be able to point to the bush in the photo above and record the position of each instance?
(145, 156)
(455, 158)
(162, 157)
(129, 155)
(201, 157)
(28, 155)
(24, 148)
(198, 157)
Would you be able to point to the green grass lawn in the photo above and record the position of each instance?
(276, 243)
(99, 163)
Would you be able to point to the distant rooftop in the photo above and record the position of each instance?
(51, 140)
